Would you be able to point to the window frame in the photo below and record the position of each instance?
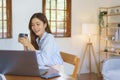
(68, 19)
(8, 34)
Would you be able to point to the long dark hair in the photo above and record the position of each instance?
(33, 36)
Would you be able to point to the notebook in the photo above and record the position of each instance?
(51, 74)
(17, 62)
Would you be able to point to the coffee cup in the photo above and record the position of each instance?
(22, 35)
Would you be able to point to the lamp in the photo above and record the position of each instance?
(89, 29)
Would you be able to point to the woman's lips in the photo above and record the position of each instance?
(37, 31)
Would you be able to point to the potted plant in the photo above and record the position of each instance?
(101, 20)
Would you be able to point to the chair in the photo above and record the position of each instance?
(71, 59)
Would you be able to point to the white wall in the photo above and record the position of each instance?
(82, 11)
(21, 12)
(108, 3)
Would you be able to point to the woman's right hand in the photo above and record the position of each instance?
(24, 40)
(26, 43)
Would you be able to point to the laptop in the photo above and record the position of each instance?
(17, 62)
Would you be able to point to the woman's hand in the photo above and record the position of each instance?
(24, 40)
(26, 43)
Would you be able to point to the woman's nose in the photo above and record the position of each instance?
(35, 26)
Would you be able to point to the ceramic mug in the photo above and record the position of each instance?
(22, 35)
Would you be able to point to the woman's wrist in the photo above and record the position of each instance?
(25, 48)
(30, 46)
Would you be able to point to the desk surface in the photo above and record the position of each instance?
(62, 77)
(12, 77)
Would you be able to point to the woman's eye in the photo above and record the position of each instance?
(32, 25)
(38, 24)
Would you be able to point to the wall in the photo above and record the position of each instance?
(82, 11)
(106, 3)
(21, 12)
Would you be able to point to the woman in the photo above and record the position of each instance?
(43, 42)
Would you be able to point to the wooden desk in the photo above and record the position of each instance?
(51, 70)
(62, 77)
(12, 77)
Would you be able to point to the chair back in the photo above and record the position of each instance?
(71, 59)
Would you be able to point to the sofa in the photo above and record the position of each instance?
(111, 68)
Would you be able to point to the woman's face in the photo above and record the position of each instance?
(38, 27)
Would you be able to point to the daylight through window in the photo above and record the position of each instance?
(5, 19)
(58, 13)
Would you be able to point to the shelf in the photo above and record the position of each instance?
(113, 23)
(113, 7)
(110, 52)
(107, 36)
(109, 31)
(103, 51)
(118, 42)
(109, 27)
(114, 14)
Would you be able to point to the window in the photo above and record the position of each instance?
(58, 13)
(5, 19)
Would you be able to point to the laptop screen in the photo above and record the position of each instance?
(19, 63)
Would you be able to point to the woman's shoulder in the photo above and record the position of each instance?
(50, 35)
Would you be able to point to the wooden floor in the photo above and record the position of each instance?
(89, 76)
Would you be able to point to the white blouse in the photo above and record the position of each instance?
(48, 53)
